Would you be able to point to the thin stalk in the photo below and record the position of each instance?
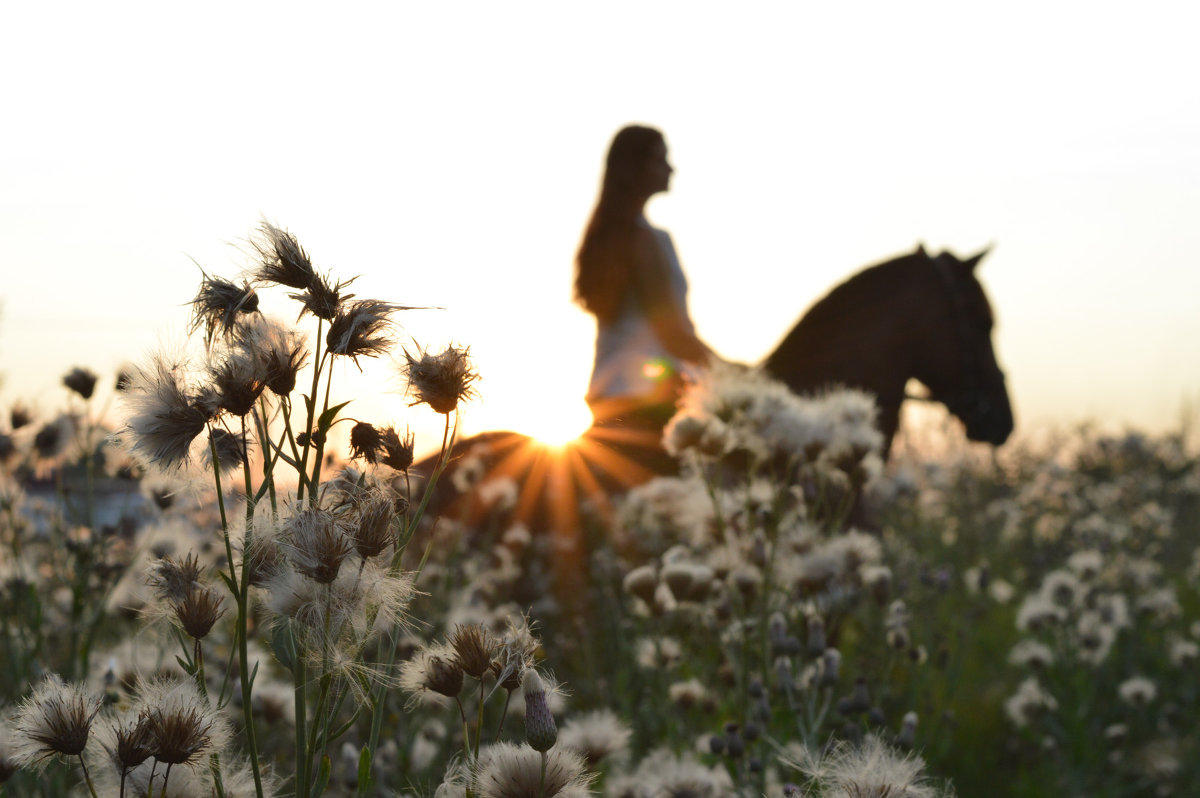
(166, 778)
(299, 677)
(318, 364)
(243, 607)
(479, 720)
(320, 451)
(87, 776)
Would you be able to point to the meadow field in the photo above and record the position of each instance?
(225, 584)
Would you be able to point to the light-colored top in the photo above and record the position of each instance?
(630, 359)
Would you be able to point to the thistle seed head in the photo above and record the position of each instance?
(218, 303)
(473, 648)
(360, 328)
(366, 441)
(281, 258)
(510, 771)
(441, 381)
(19, 415)
(81, 381)
(55, 720)
(432, 669)
(164, 416)
(199, 610)
(237, 381)
(133, 742)
(316, 544)
(375, 529)
(173, 579)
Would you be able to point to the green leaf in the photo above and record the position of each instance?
(326, 419)
(322, 775)
(282, 645)
(364, 768)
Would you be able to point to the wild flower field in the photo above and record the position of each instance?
(202, 597)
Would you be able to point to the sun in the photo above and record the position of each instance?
(556, 424)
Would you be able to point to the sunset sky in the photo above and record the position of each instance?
(450, 154)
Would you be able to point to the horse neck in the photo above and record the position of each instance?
(860, 336)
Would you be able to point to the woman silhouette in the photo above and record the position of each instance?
(629, 277)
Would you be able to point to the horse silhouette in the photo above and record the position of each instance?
(917, 316)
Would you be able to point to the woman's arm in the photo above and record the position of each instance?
(666, 313)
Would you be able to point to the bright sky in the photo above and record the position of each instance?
(450, 154)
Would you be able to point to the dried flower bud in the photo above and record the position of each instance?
(642, 582)
(907, 737)
(540, 731)
(81, 381)
(816, 635)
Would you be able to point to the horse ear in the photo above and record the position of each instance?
(920, 248)
(973, 261)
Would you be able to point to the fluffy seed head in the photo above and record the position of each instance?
(55, 719)
(316, 544)
(375, 529)
(441, 381)
(360, 328)
(164, 416)
(509, 771)
(173, 578)
(473, 648)
(199, 610)
(218, 303)
(281, 258)
(181, 723)
(432, 669)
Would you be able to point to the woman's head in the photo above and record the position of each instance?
(636, 167)
(635, 170)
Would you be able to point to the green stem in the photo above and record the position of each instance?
(318, 364)
(299, 677)
(87, 776)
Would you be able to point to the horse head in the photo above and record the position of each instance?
(954, 358)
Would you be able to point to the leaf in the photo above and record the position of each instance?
(326, 419)
(281, 644)
(322, 775)
(364, 768)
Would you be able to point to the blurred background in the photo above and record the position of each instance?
(450, 155)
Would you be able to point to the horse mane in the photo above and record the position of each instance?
(846, 306)
(864, 289)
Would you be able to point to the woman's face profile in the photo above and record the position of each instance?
(657, 169)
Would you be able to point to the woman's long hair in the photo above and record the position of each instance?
(604, 262)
